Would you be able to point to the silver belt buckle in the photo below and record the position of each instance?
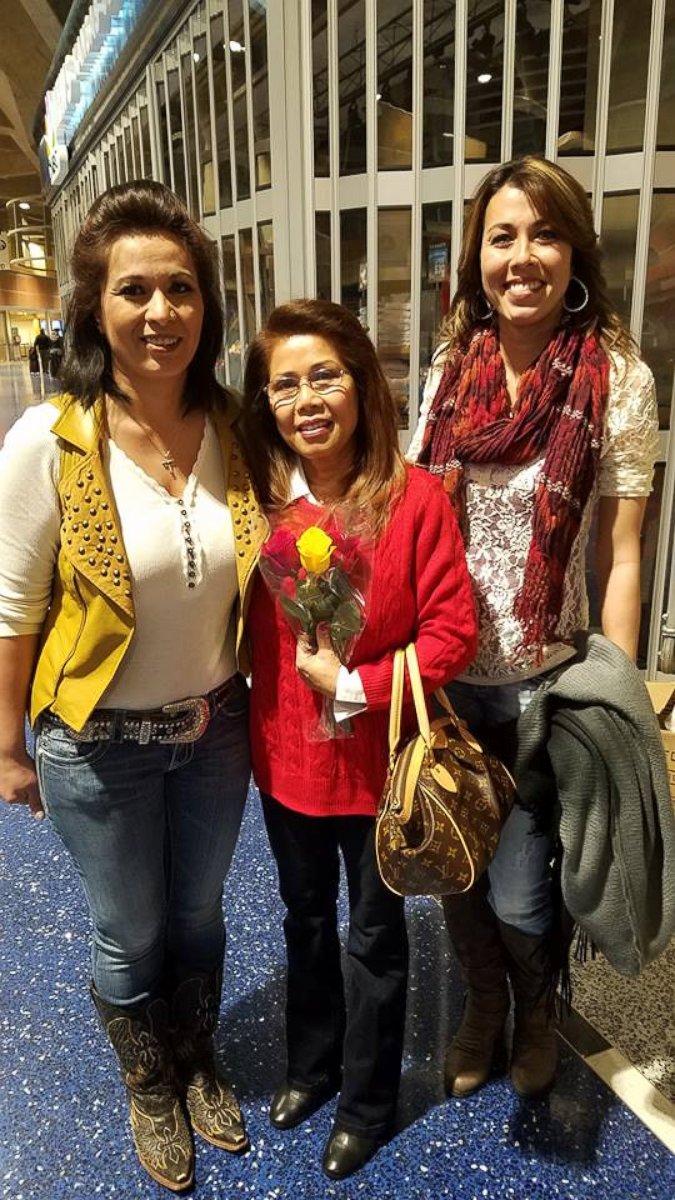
(198, 709)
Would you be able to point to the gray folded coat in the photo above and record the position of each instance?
(591, 740)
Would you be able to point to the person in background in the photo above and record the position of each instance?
(538, 413)
(43, 344)
(320, 426)
(128, 541)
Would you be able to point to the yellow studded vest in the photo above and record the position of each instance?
(91, 622)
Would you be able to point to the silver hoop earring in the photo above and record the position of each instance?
(570, 308)
(487, 316)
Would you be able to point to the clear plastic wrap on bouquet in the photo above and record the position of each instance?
(317, 567)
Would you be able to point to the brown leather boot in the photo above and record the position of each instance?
(534, 1056)
(161, 1136)
(474, 933)
(210, 1101)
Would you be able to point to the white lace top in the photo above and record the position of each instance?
(499, 510)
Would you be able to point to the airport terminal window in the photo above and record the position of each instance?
(145, 141)
(136, 139)
(628, 76)
(121, 165)
(658, 327)
(320, 80)
(189, 139)
(177, 147)
(163, 133)
(665, 137)
(484, 78)
(260, 93)
(204, 126)
(247, 316)
(266, 261)
(439, 86)
(530, 92)
(435, 281)
(394, 85)
(232, 337)
(239, 106)
(323, 243)
(579, 76)
(354, 262)
(619, 222)
(219, 51)
(352, 85)
(393, 309)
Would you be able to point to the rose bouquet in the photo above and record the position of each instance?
(319, 576)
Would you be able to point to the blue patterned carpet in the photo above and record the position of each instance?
(63, 1127)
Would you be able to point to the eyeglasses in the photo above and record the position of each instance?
(322, 380)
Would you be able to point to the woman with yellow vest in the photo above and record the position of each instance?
(128, 541)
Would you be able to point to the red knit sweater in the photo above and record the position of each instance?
(419, 591)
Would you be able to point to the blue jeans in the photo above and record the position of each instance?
(520, 873)
(152, 830)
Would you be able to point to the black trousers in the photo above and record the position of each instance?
(357, 1030)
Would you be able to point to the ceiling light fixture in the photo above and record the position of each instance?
(484, 77)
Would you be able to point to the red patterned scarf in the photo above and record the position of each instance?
(560, 413)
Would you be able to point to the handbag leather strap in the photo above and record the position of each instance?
(408, 657)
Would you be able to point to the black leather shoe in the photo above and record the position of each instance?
(290, 1106)
(346, 1153)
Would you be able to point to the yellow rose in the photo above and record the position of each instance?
(315, 549)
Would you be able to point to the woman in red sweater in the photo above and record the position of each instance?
(320, 424)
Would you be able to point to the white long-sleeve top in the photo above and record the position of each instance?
(184, 641)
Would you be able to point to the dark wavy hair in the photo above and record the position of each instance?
(557, 197)
(141, 207)
(378, 472)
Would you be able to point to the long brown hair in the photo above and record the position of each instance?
(141, 207)
(557, 197)
(378, 471)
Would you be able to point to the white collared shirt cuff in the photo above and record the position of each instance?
(350, 697)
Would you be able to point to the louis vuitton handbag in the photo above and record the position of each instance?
(445, 800)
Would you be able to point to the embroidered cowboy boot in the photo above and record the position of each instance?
(474, 934)
(161, 1136)
(534, 1055)
(210, 1101)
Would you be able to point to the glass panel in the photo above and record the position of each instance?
(619, 222)
(136, 139)
(247, 287)
(352, 85)
(394, 84)
(533, 29)
(579, 76)
(320, 73)
(435, 283)
(393, 310)
(484, 66)
(322, 236)
(177, 150)
(121, 168)
(266, 265)
(257, 10)
(204, 126)
(628, 78)
(232, 338)
(665, 136)
(219, 51)
(190, 147)
(163, 135)
(131, 165)
(439, 76)
(239, 109)
(354, 262)
(107, 173)
(145, 141)
(658, 327)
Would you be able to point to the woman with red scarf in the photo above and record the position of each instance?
(537, 412)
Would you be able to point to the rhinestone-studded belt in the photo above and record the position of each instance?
(183, 721)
